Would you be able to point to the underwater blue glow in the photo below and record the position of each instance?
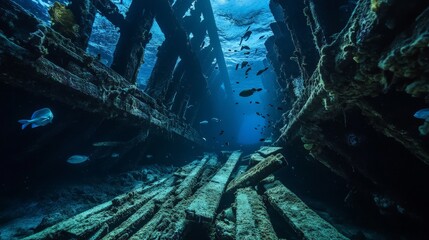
(247, 134)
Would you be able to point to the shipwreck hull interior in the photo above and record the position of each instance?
(338, 131)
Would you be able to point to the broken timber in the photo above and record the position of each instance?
(86, 224)
(258, 172)
(144, 213)
(170, 221)
(303, 220)
(266, 151)
(203, 207)
(253, 221)
(57, 69)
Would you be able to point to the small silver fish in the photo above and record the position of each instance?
(149, 156)
(215, 119)
(204, 122)
(76, 159)
(114, 155)
(422, 114)
(39, 118)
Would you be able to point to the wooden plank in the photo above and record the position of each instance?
(245, 224)
(111, 213)
(303, 220)
(258, 172)
(265, 151)
(191, 179)
(255, 158)
(253, 221)
(141, 216)
(170, 221)
(203, 207)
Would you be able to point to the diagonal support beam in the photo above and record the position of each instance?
(214, 40)
(172, 28)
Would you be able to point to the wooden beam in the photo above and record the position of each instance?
(258, 172)
(306, 223)
(206, 199)
(215, 42)
(172, 28)
(252, 217)
(69, 75)
(135, 34)
(110, 11)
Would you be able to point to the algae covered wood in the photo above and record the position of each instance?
(81, 81)
(140, 217)
(255, 158)
(303, 220)
(258, 172)
(253, 221)
(206, 199)
(245, 226)
(265, 151)
(86, 224)
(170, 221)
(185, 188)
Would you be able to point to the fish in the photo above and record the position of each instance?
(41, 117)
(236, 66)
(244, 63)
(246, 53)
(245, 47)
(149, 156)
(262, 139)
(247, 71)
(77, 159)
(215, 119)
(114, 155)
(204, 122)
(204, 139)
(257, 102)
(221, 132)
(246, 36)
(108, 144)
(261, 36)
(279, 108)
(261, 71)
(422, 114)
(202, 44)
(249, 92)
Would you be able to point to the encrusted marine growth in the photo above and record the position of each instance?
(63, 20)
